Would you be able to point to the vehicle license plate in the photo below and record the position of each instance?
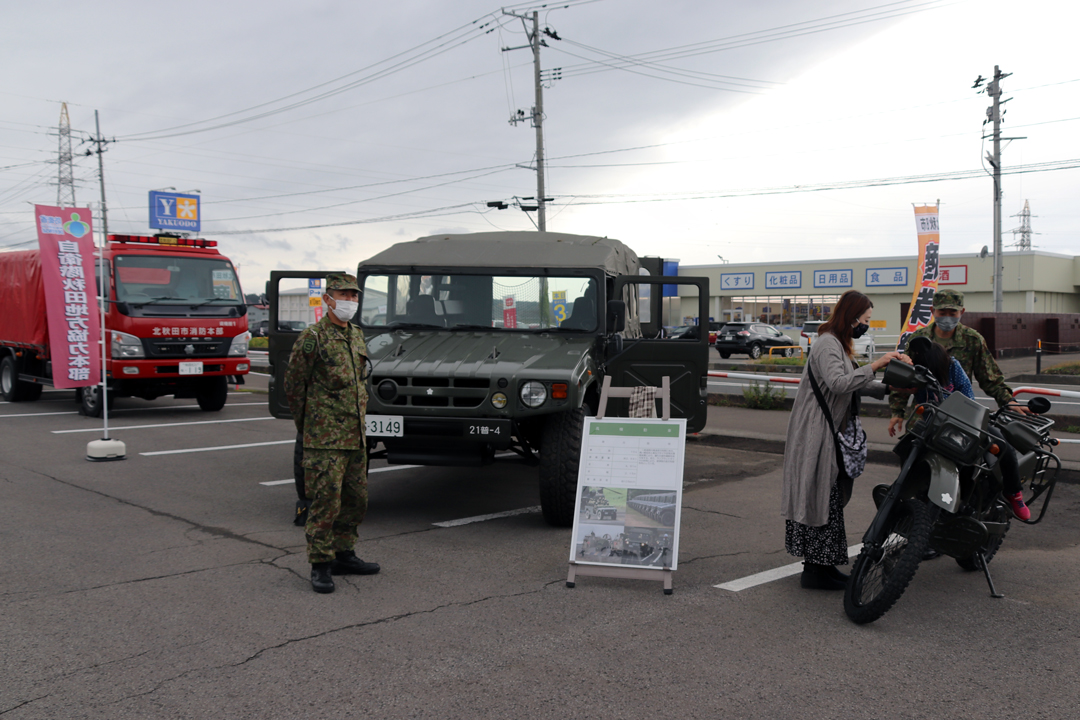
(728, 337)
(385, 425)
(191, 368)
(481, 429)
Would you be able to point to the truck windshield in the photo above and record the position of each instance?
(172, 280)
(470, 302)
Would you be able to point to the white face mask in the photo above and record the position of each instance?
(344, 310)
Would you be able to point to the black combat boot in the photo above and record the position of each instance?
(346, 563)
(321, 582)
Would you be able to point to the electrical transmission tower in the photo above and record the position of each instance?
(537, 114)
(1024, 243)
(65, 181)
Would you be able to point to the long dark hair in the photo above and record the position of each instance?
(849, 308)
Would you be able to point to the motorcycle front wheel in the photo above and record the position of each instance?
(881, 574)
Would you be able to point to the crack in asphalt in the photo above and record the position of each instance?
(25, 702)
(331, 631)
(208, 529)
(713, 557)
(713, 512)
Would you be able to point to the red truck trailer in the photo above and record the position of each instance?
(175, 323)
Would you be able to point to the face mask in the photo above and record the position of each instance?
(859, 330)
(947, 323)
(345, 309)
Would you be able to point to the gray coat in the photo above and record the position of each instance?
(810, 465)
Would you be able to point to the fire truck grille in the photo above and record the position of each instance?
(179, 348)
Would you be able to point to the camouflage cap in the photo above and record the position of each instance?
(341, 281)
(948, 300)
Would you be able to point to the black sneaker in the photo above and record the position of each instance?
(321, 582)
(346, 563)
(819, 577)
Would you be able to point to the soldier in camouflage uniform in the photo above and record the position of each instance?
(960, 342)
(328, 399)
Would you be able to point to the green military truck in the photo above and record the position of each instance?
(498, 343)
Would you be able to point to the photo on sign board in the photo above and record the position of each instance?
(603, 505)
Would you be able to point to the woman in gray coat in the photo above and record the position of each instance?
(811, 498)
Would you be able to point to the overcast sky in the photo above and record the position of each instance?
(679, 127)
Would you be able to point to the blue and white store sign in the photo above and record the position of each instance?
(789, 280)
(886, 277)
(833, 278)
(174, 211)
(737, 281)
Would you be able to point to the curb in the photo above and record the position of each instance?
(877, 454)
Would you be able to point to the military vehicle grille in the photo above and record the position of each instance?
(436, 392)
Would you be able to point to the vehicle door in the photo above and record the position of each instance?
(294, 296)
(777, 339)
(645, 361)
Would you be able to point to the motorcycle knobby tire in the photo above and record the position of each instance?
(880, 575)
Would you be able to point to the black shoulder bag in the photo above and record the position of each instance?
(850, 446)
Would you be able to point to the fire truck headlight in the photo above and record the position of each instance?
(126, 346)
(239, 345)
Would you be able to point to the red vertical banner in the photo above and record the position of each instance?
(509, 312)
(921, 312)
(66, 239)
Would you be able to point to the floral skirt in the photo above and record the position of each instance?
(825, 545)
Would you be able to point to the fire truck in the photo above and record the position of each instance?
(174, 323)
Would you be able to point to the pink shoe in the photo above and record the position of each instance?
(1016, 504)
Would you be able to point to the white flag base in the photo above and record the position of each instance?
(102, 450)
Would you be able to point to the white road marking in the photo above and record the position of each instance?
(161, 425)
(66, 412)
(219, 447)
(775, 574)
(387, 468)
(492, 516)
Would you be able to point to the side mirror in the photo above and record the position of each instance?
(263, 300)
(899, 374)
(616, 316)
(1039, 405)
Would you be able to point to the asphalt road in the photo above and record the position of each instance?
(173, 584)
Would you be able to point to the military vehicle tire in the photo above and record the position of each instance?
(213, 394)
(560, 453)
(90, 401)
(11, 387)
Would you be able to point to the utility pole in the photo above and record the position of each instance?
(537, 115)
(994, 114)
(101, 142)
(65, 179)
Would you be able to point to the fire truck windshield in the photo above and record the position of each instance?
(171, 280)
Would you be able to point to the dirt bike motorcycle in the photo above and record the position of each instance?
(947, 496)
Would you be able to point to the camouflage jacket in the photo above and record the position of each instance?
(325, 387)
(969, 349)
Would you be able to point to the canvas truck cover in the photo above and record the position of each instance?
(511, 249)
(22, 300)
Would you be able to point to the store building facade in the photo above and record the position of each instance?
(788, 294)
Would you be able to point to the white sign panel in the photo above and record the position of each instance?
(737, 281)
(629, 500)
(833, 278)
(786, 280)
(886, 277)
(952, 275)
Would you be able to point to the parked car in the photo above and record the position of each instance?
(714, 331)
(753, 339)
(863, 346)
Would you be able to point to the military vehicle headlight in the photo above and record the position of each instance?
(533, 394)
(499, 400)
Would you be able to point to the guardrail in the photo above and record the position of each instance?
(786, 347)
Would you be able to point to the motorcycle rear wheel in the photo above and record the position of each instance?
(880, 575)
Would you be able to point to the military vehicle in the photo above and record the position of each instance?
(498, 343)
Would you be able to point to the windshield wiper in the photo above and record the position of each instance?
(469, 326)
(151, 301)
(412, 326)
(213, 299)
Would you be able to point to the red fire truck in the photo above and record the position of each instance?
(175, 323)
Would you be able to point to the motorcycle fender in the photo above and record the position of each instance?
(944, 482)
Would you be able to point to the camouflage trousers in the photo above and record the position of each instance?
(335, 482)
